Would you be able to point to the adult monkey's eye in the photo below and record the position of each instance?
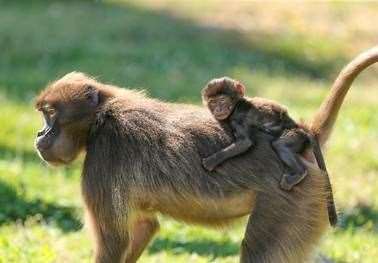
(49, 111)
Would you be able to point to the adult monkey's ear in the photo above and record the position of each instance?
(240, 89)
(92, 95)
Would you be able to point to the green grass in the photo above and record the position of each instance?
(172, 50)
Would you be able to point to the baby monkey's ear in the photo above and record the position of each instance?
(239, 88)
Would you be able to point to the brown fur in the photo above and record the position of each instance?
(144, 156)
(223, 85)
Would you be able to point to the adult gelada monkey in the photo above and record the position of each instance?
(143, 156)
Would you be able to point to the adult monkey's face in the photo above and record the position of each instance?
(68, 107)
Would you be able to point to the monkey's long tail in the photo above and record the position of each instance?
(324, 120)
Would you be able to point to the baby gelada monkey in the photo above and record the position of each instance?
(225, 99)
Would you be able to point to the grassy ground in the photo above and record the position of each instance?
(172, 49)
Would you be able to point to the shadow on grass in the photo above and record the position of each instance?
(360, 216)
(131, 46)
(202, 247)
(13, 207)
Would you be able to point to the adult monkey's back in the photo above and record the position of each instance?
(144, 156)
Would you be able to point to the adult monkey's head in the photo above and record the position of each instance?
(69, 107)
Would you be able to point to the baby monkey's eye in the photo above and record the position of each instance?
(222, 100)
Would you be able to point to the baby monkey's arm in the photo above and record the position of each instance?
(274, 128)
(242, 143)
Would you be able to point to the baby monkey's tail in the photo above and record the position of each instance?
(331, 207)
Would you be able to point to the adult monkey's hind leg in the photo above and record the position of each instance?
(285, 226)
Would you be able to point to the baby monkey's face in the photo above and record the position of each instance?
(221, 96)
(221, 106)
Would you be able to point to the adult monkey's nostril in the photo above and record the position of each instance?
(40, 133)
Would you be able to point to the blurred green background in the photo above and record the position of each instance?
(287, 52)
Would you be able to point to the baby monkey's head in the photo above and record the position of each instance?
(221, 95)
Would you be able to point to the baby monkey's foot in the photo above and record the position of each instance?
(285, 182)
(209, 163)
(288, 181)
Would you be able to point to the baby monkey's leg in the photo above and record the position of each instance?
(288, 146)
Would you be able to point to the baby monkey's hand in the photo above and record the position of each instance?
(209, 163)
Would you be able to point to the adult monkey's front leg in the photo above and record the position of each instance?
(143, 229)
(111, 243)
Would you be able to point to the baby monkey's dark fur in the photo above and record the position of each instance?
(247, 116)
